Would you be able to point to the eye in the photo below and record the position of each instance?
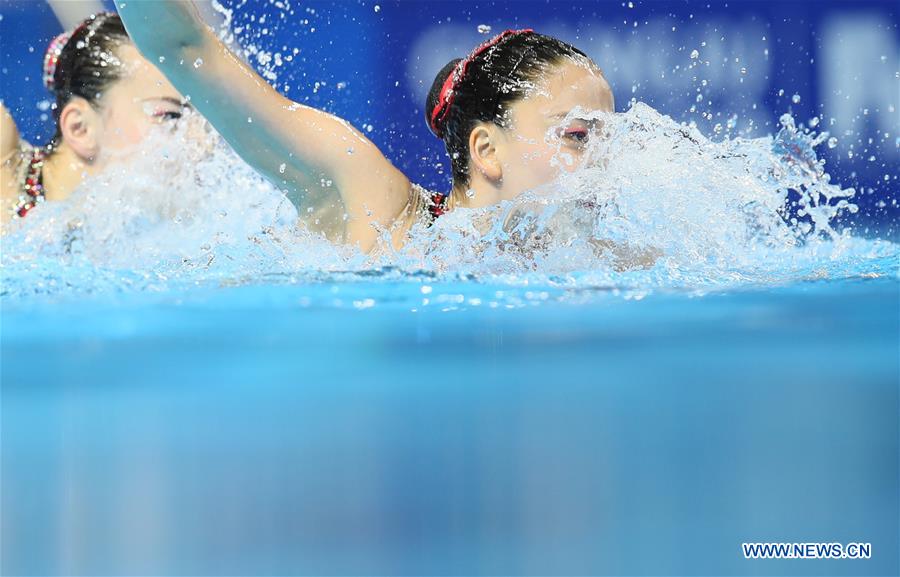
(169, 115)
(579, 135)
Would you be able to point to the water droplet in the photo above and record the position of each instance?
(198, 63)
(470, 193)
(281, 168)
(814, 121)
(832, 142)
(377, 8)
(484, 29)
(795, 99)
(162, 59)
(695, 54)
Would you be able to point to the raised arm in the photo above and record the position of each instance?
(293, 145)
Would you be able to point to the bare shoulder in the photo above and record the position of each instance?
(415, 212)
(9, 192)
(9, 134)
(10, 181)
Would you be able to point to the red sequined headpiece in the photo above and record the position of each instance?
(51, 58)
(58, 44)
(448, 90)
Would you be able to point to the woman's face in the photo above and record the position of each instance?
(539, 132)
(134, 105)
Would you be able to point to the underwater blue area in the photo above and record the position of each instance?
(190, 386)
(279, 429)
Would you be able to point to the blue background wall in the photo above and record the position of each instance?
(373, 61)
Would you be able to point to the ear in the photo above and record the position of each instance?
(483, 141)
(79, 124)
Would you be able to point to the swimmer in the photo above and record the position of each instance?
(107, 99)
(498, 112)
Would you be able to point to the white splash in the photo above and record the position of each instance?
(655, 204)
(662, 204)
(183, 206)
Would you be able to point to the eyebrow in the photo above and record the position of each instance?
(170, 100)
(562, 115)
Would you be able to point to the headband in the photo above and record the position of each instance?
(58, 44)
(448, 91)
(51, 58)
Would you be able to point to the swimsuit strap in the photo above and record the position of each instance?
(32, 184)
(438, 205)
(428, 204)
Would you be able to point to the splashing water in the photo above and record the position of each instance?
(657, 204)
(184, 209)
(654, 205)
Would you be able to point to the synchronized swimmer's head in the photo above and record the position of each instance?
(484, 86)
(83, 63)
(99, 79)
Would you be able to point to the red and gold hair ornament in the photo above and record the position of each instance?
(448, 91)
(58, 44)
(51, 58)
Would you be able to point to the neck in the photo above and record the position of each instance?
(486, 193)
(63, 172)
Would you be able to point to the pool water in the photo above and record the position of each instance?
(413, 425)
